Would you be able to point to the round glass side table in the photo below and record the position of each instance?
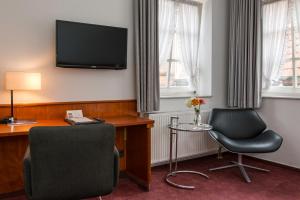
(174, 129)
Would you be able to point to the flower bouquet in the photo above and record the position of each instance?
(196, 102)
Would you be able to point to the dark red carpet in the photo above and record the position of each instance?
(280, 183)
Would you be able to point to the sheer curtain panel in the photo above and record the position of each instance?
(275, 16)
(166, 28)
(189, 33)
(297, 3)
(205, 58)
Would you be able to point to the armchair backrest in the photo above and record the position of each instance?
(237, 123)
(72, 160)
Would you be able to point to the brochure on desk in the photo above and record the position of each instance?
(75, 117)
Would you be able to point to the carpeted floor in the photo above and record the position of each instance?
(280, 183)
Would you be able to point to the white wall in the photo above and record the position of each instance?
(219, 62)
(282, 116)
(27, 39)
(27, 43)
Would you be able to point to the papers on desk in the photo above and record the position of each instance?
(81, 120)
(75, 117)
(74, 114)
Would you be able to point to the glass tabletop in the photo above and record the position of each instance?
(190, 127)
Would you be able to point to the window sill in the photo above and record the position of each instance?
(181, 93)
(280, 93)
(180, 96)
(174, 96)
(175, 93)
(280, 97)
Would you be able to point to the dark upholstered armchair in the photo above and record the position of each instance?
(71, 162)
(242, 131)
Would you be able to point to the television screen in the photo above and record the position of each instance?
(80, 45)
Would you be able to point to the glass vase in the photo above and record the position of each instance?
(197, 119)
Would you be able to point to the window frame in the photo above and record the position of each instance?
(179, 91)
(287, 91)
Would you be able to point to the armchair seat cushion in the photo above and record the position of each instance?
(268, 141)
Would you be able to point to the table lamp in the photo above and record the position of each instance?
(20, 81)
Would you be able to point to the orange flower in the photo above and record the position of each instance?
(195, 101)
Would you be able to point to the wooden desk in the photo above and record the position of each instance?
(133, 138)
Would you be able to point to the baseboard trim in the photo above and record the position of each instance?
(213, 152)
(273, 163)
(200, 155)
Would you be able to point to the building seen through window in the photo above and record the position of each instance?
(289, 72)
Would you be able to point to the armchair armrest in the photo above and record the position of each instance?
(27, 172)
(116, 166)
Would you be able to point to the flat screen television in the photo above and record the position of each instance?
(80, 45)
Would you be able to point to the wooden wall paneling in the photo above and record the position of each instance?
(42, 111)
(109, 110)
(4, 112)
(131, 108)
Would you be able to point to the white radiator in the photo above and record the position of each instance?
(189, 144)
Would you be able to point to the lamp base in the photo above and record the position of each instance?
(8, 120)
(5, 121)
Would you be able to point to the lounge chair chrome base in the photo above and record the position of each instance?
(220, 155)
(242, 167)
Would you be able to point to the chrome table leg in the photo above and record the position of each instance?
(175, 171)
(171, 151)
(181, 172)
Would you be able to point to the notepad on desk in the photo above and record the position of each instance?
(75, 117)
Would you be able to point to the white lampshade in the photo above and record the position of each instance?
(23, 81)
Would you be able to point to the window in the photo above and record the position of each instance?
(286, 82)
(172, 72)
(289, 72)
(174, 79)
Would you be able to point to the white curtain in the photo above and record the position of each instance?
(275, 16)
(189, 24)
(297, 4)
(205, 57)
(166, 28)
